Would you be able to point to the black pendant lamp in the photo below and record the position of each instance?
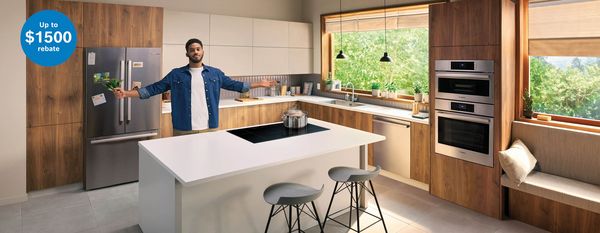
(341, 54)
(385, 57)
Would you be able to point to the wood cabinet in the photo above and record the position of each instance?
(419, 152)
(271, 113)
(465, 22)
(230, 30)
(55, 94)
(54, 155)
(166, 125)
(111, 25)
(73, 10)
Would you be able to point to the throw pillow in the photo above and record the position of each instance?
(517, 162)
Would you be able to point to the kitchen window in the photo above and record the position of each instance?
(362, 38)
(560, 51)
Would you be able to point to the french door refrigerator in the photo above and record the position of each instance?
(113, 127)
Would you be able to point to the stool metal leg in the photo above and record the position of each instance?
(317, 216)
(378, 208)
(330, 202)
(298, 217)
(351, 197)
(357, 207)
(290, 222)
(270, 215)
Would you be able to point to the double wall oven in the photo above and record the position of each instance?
(464, 110)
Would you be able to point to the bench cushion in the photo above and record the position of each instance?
(568, 191)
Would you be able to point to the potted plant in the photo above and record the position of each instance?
(328, 84)
(426, 96)
(392, 91)
(527, 105)
(418, 92)
(375, 89)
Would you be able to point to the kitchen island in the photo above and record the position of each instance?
(213, 182)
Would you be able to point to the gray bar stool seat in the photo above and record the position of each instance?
(349, 178)
(292, 195)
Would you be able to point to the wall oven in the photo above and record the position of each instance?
(464, 110)
(465, 80)
(465, 131)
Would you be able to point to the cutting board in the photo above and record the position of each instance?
(248, 99)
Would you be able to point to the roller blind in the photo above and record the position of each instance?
(564, 28)
(396, 19)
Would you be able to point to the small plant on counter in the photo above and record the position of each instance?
(391, 89)
(418, 92)
(375, 89)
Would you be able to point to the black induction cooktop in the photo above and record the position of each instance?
(265, 133)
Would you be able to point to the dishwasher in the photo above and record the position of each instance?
(392, 154)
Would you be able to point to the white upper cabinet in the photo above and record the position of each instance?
(230, 30)
(270, 33)
(300, 61)
(300, 35)
(179, 27)
(269, 61)
(232, 60)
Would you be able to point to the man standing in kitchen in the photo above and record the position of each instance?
(195, 92)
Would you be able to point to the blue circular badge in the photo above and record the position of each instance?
(48, 38)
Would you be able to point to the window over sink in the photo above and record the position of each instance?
(362, 40)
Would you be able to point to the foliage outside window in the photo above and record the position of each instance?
(567, 86)
(408, 47)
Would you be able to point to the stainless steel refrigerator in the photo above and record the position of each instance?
(112, 127)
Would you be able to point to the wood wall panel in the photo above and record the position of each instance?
(73, 10)
(419, 152)
(166, 125)
(106, 25)
(550, 215)
(55, 94)
(146, 27)
(466, 22)
(54, 155)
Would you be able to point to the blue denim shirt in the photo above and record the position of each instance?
(179, 81)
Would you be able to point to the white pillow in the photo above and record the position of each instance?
(517, 162)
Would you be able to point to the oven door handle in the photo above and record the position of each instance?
(463, 75)
(458, 116)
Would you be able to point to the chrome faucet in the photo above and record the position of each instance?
(353, 98)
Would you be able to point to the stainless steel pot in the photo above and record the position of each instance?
(294, 119)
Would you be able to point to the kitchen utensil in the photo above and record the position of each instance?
(294, 119)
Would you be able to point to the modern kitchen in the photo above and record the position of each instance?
(301, 116)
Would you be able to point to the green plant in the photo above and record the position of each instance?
(527, 105)
(417, 87)
(104, 78)
(328, 82)
(390, 86)
(375, 86)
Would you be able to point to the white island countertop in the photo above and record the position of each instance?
(199, 158)
(396, 113)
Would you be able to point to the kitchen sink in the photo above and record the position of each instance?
(345, 103)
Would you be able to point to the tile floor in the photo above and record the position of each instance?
(406, 209)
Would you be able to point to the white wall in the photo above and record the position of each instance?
(289, 10)
(312, 10)
(12, 125)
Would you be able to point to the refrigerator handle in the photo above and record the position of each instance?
(129, 84)
(122, 101)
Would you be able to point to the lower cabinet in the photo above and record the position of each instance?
(419, 152)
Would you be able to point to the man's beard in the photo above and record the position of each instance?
(196, 61)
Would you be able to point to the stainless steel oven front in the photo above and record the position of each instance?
(465, 80)
(465, 131)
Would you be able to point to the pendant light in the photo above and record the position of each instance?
(341, 54)
(385, 57)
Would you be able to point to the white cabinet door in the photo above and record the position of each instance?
(300, 35)
(179, 27)
(233, 61)
(230, 30)
(174, 57)
(300, 61)
(270, 33)
(269, 61)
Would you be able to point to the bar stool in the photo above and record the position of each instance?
(292, 195)
(348, 178)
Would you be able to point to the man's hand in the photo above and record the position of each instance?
(265, 83)
(119, 93)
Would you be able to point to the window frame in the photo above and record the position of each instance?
(522, 82)
(327, 64)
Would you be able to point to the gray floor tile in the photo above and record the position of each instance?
(114, 192)
(10, 224)
(39, 205)
(9, 211)
(61, 220)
